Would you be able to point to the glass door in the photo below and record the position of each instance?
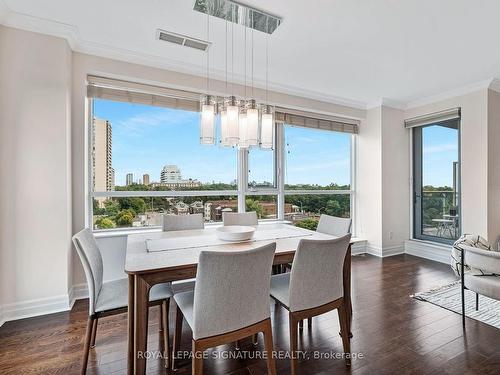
(436, 186)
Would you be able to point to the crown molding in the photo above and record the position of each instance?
(386, 102)
(491, 83)
(71, 34)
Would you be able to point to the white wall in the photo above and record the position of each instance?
(35, 219)
(494, 167)
(383, 181)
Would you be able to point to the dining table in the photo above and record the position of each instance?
(159, 257)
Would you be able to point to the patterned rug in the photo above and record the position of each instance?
(448, 297)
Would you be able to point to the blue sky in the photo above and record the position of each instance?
(145, 138)
(440, 150)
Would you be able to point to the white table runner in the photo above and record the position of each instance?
(209, 238)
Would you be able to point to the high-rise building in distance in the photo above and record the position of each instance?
(129, 180)
(170, 174)
(103, 172)
(145, 179)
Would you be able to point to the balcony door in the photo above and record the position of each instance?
(436, 155)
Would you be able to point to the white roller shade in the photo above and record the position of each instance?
(130, 92)
(433, 118)
(316, 121)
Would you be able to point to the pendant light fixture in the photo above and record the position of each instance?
(267, 125)
(208, 110)
(252, 112)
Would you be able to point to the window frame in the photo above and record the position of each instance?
(242, 192)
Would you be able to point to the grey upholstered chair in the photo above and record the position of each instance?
(182, 222)
(314, 286)
(230, 302)
(486, 284)
(240, 218)
(111, 298)
(335, 226)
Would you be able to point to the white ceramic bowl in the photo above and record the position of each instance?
(235, 233)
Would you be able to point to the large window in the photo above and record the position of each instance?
(317, 162)
(436, 181)
(146, 160)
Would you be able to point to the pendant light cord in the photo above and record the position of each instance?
(208, 53)
(267, 61)
(253, 97)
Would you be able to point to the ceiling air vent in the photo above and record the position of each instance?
(182, 40)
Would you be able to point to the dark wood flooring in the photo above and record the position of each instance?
(393, 334)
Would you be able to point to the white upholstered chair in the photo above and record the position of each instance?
(335, 226)
(240, 218)
(230, 302)
(111, 298)
(486, 284)
(182, 222)
(314, 286)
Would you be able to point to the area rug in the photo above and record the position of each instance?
(448, 297)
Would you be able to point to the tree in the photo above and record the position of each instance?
(105, 223)
(137, 205)
(333, 208)
(125, 218)
(111, 207)
(310, 224)
(253, 205)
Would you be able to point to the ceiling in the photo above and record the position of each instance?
(346, 51)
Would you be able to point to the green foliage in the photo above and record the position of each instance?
(105, 223)
(111, 207)
(137, 205)
(253, 205)
(308, 223)
(125, 218)
(336, 205)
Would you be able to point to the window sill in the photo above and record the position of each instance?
(126, 231)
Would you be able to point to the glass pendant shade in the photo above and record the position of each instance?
(252, 126)
(207, 123)
(223, 128)
(243, 125)
(267, 130)
(233, 112)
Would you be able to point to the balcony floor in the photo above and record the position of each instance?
(394, 333)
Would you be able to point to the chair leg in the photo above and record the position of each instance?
(309, 323)
(166, 332)
(344, 327)
(477, 301)
(301, 324)
(293, 342)
(160, 319)
(177, 336)
(94, 333)
(86, 347)
(269, 348)
(462, 286)
(197, 361)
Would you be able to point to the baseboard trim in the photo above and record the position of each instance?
(384, 252)
(358, 248)
(78, 291)
(2, 320)
(429, 250)
(35, 307)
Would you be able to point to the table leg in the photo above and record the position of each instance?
(140, 324)
(131, 348)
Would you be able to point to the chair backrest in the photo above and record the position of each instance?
(317, 272)
(335, 226)
(240, 218)
(90, 256)
(482, 261)
(231, 290)
(182, 222)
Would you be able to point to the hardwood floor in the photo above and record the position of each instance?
(393, 334)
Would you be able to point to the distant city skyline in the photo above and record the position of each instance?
(146, 138)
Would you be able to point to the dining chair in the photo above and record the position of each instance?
(335, 226)
(314, 286)
(182, 222)
(230, 302)
(111, 297)
(240, 218)
(484, 281)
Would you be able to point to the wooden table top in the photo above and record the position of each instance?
(139, 260)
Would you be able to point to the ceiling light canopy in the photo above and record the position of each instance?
(238, 13)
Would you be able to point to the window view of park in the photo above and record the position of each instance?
(139, 148)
